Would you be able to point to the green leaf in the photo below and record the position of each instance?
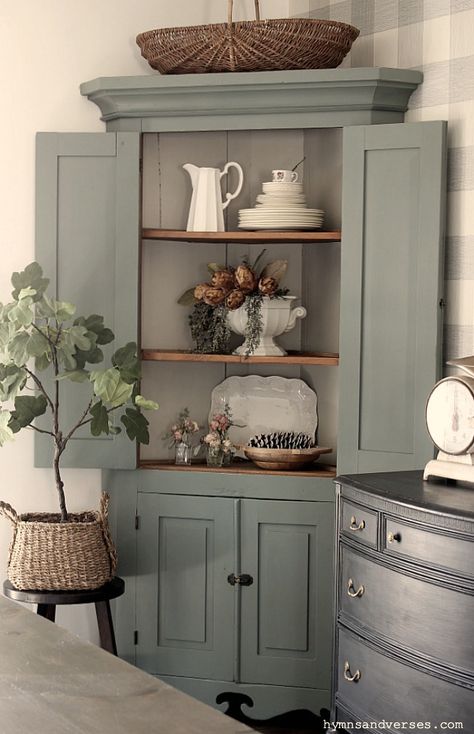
(100, 419)
(6, 332)
(38, 344)
(187, 298)
(42, 363)
(12, 380)
(6, 433)
(126, 361)
(275, 269)
(60, 310)
(105, 336)
(30, 277)
(18, 348)
(27, 408)
(74, 375)
(95, 324)
(93, 356)
(22, 313)
(75, 338)
(26, 293)
(214, 267)
(110, 388)
(145, 404)
(136, 426)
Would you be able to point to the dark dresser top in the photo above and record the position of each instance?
(408, 488)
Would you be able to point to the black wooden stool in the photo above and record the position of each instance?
(48, 600)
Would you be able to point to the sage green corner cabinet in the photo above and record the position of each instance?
(229, 573)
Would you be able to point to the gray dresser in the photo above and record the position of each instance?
(404, 643)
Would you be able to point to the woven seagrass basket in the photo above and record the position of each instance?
(48, 555)
(254, 45)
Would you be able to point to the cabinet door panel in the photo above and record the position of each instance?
(286, 613)
(393, 217)
(185, 607)
(87, 211)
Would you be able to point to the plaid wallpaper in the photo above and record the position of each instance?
(436, 36)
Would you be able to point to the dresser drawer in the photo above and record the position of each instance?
(359, 523)
(385, 689)
(429, 619)
(437, 549)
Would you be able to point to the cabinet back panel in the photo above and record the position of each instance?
(323, 173)
(176, 387)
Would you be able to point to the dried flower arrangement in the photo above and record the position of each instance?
(219, 445)
(182, 429)
(229, 289)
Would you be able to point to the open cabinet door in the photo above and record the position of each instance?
(394, 190)
(87, 241)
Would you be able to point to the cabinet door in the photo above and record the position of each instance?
(87, 235)
(286, 615)
(185, 606)
(390, 346)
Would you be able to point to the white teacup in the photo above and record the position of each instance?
(282, 176)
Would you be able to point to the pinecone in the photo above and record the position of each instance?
(223, 279)
(245, 279)
(213, 296)
(268, 286)
(200, 290)
(235, 299)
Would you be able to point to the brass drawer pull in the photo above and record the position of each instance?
(351, 591)
(355, 526)
(347, 673)
(394, 537)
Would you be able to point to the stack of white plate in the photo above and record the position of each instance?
(281, 206)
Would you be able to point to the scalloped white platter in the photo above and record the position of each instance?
(264, 405)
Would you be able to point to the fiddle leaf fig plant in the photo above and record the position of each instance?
(43, 346)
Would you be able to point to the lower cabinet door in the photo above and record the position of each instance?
(185, 606)
(286, 614)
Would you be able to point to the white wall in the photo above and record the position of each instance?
(48, 47)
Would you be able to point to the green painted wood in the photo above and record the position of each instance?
(217, 484)
(255, 100)
(122, 487)
(394, 185)
(185, 606)
(87, 234)
(286, 614)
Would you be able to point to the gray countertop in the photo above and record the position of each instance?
(51, 682)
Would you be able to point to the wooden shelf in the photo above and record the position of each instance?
(244, 237)
(169, 355)
(239, 467)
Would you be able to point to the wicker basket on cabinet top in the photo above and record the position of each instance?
(255, 45)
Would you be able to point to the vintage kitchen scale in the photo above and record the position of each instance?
(450, 423)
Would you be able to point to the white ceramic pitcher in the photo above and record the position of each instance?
(207, 207)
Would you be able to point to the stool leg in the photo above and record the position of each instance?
(106, 627)
(48, 611)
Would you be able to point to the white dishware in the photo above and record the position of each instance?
(266, 405)
(278, 315)
(282, 175)
(206, 213)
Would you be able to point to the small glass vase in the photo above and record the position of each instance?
(183, 453)
(215, 456)
(227, 458)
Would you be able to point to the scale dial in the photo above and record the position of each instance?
(450, 415)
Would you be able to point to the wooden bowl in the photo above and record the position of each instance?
(286, 459)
